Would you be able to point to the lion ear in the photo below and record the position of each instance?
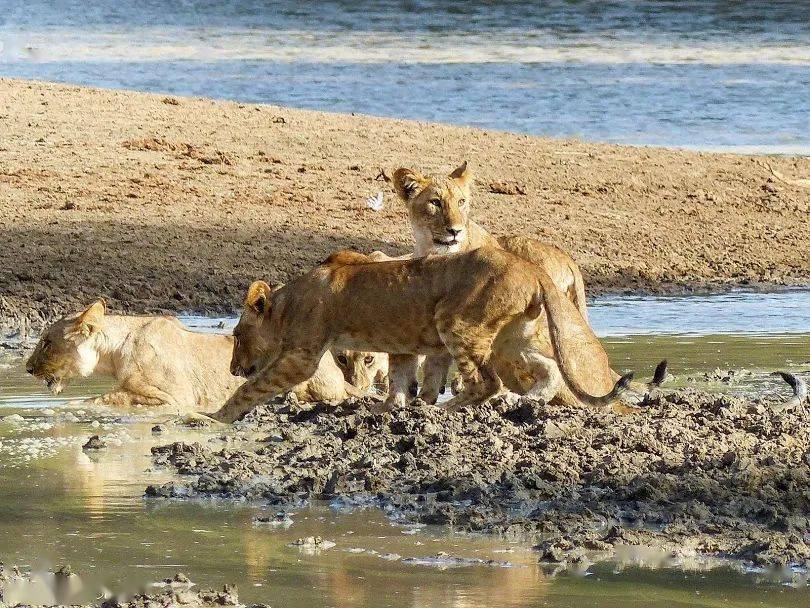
(258, 297)
(462, 175)
(90, 320)
(408, 183)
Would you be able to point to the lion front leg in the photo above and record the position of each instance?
(402, 384)
(435, 380)
(289, 369)
(118, 398)
(133, 394)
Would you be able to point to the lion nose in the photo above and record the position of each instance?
(29, 367)
(454, 231)
(236, 370)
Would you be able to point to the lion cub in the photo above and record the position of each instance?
(365, 371)
(439, 213)
(156, 362)
(457, 305)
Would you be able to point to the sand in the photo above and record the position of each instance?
(173, 204)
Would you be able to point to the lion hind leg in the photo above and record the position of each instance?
(548, 378)
(472, 349)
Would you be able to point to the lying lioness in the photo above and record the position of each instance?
(156, 362)
(457, 303)
(365, 371)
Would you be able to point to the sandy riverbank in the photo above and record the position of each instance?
(176, 204)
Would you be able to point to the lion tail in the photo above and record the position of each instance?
(566, 327)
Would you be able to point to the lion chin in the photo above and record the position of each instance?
(445, 247)
(55, 386)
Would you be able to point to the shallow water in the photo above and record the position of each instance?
(713, 75)
(67, 506)
(59, 504)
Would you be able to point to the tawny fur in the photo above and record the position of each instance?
(457, 304)
(155, 361)
(363, 370)
(439, 213)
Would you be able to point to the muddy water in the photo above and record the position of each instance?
(59, 504)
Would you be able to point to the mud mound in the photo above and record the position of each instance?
(694, 472)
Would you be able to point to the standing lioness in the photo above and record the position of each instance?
(439, 213)
(457, 304)
(155, 361)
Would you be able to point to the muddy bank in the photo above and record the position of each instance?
(62, 583)
(694, 473)
(177, 204)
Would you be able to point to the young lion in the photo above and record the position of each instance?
(156, 362)
(435, 305)
(439, 212)
(365, 371)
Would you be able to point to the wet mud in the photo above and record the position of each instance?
(692, 474)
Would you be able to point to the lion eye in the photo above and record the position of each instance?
(435, 204)
(369, 359)
(343, 360)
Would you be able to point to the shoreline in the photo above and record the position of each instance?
(170, 204)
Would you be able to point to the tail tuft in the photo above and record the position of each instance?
(792, 380)
(623, 383)
(660, 374)
(798, 385)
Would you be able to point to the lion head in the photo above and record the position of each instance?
(363, 370)
(67, 348)
(438, 207)
(251, 338)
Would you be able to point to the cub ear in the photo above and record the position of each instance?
(90, 320)
(462, 175)
(258, 297)
(408, 183)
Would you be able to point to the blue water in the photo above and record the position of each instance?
(713, 75)
(733, 313)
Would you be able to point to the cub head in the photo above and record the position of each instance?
(363, 369)
(438, 207)
(252, 336)
(67, 348)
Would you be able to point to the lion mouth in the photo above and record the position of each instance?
(54, 385)
(446, 243)
(240, 371)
